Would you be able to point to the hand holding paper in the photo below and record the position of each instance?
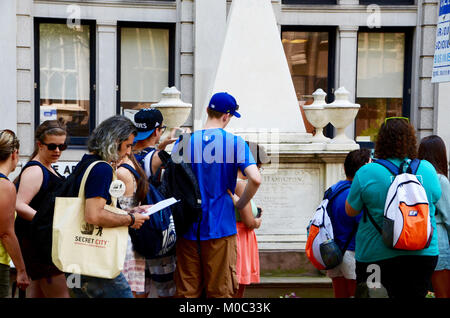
(160, 205)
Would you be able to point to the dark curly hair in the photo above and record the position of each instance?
(396, 139)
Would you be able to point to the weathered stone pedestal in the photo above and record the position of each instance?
(293, 185)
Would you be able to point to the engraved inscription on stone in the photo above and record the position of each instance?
(289, 197)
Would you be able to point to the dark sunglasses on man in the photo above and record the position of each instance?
(52, 147)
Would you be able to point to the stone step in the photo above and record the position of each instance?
(307, 281)
(291, 287)
(288, 273)
(282, 242)
(286, 263)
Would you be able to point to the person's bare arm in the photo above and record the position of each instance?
(349, 210)
(253, 183)
(246, 213)
(126, 177)
(97, 215)
(30, 183)
(7, 234)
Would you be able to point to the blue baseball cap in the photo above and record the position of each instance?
(224, 103)
(146, 121)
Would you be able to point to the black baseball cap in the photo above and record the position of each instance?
(146, 121)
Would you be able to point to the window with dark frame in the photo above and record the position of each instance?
(146, 58)
(383, 80)
(310, 53)
(387, 2)
(65, 75)
(367, 2)
(309, 2)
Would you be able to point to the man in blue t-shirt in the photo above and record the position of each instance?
(344, 227)
(209, 264)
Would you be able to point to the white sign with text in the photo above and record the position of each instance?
(441, 65)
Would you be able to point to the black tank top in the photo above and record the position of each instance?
(50, 181)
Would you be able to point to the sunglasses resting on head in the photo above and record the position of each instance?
(404, 118)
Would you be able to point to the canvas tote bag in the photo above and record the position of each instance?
(82, 248)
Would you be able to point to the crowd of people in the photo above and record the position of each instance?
(134, 152)
(401, 272)
(217, 256)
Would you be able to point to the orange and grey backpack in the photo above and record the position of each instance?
(406, 221)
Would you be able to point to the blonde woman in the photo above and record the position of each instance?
(9, 245)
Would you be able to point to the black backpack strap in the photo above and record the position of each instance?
(350, 238)
(164, 156)
(367, 214)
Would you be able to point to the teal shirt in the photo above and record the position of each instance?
(369, 188)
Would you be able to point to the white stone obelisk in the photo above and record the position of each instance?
(253, 68)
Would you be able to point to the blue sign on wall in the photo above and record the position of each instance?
(441, 65)
(444, 7)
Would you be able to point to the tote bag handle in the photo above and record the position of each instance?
(85, 176)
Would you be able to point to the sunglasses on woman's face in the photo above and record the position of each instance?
(52, 147)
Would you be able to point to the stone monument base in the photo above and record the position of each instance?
(293, 186)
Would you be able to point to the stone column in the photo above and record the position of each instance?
(8, 77)
(25, 77)
(185, 51)
(425, 118)
(209, 34)
(348, 54)
(106, 69)
(443, 114)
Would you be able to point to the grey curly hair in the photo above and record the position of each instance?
(108, 136)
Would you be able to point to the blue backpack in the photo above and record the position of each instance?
(157, 236)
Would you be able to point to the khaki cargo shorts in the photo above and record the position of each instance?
(214, 271)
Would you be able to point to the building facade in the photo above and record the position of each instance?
(88, 60)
